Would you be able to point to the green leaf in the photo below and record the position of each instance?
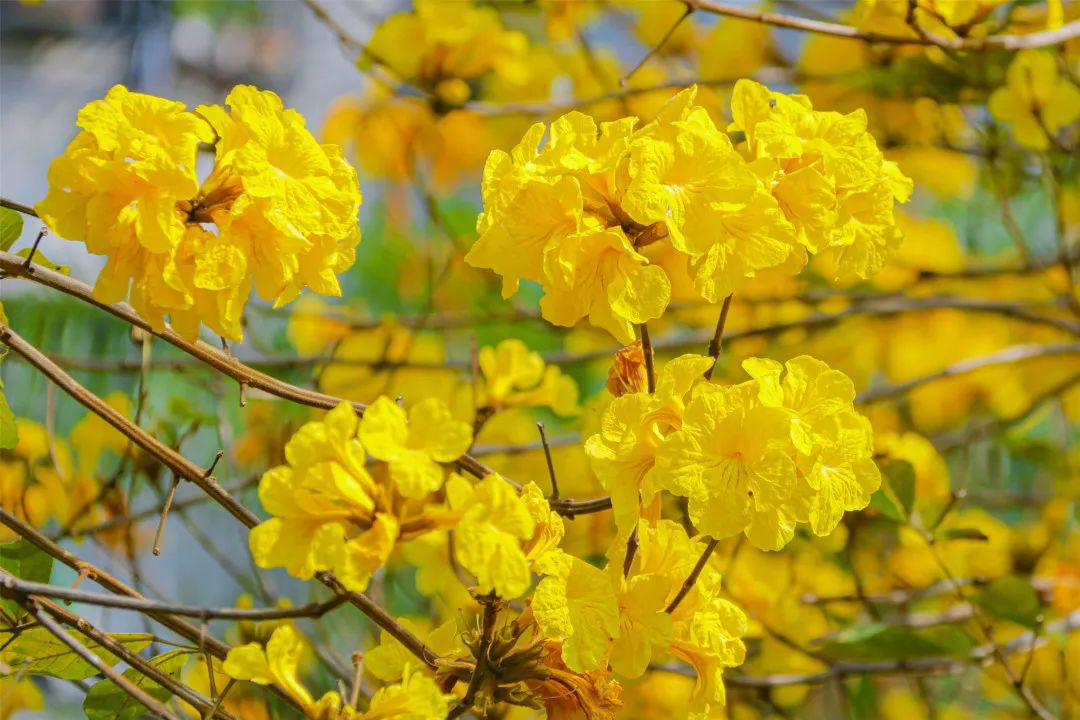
(40, 259)
(900, 475)
(963, 534)
(880, 641)
(863, 699)
(896, 496)
(108, 701)
(38, 652)
(887, 506)
(11, 225)
(25, 561)
(1011, 598)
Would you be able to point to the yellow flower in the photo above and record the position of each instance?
(515, 376)
(294, 212)
(834, 442)
(92, 436)
(619, 619)
(829, 177)
(117, 188)
(389, 661)
(1036, 99)
(494, 521)
(416, 697)
(437, 46)
(634, 425)
(732, 459)
(552, 216)
(284, 206)
(19, 694)
(117, 184)
(686, 174)
(576, 605)
(327, 511)
(599, 274)
(711, 641)
(413, 445)
(277, 663)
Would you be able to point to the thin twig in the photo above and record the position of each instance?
(550, 464)
(10, 584)
(972, 43)
(687, 12)
(155, 707)
(1015, 353)
(647, 351)
(716, 344)
(693, 576)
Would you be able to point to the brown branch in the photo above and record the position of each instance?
(176, 462)
(18, 207)
(181, 627)
(11, 585)
(1044, 38)
(716, 344)
(693, 576)
(647, 351)
(687, 12)
(995, 650)
(184, 467)
(148, 669)
(1015, 353)
(241, 373)
(156, 708)
(923, 666)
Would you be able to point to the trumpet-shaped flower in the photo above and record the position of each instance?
(328, 513)
(514, 376)
(623, 453)
(731, 458)
(414, 444)
(493, 523)
(686, 175)
(834, 443)
(275, 664)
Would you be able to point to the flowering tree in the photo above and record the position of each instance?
(812, 454)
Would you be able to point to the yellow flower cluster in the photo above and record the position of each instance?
(283, 205)
(415, 697)
(578, 214)
(501, 535)
(759, 457)
(515, 376)
(1037, 99)
(619, 616)
(330, 513)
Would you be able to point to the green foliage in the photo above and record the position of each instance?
(25, 561)
(879, 641)
(108, 701)
(40, 259)
(11, 226)
(37, 651)
(896, 496)
(1011, 598)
